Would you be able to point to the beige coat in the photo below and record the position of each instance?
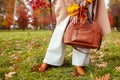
(100, 12)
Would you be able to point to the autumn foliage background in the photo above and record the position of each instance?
(39, 18)
(40, 15)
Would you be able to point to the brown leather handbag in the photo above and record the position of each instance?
(83, 35)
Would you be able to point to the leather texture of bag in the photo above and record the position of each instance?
(83, 35)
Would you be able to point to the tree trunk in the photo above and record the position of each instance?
(118, 28)
(117, 23)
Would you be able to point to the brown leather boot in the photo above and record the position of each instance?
(40, 68)
(80, 70)
(43, 67)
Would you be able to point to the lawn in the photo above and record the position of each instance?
(21, 50)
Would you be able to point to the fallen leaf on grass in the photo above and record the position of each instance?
(92, 60)
(117, 68)
(18, 46)
(35, 68)
(15, 66)
(13, 56)
(3, 49)
(117, 42)
(103, 64)
(19, 52)
(2, 53)
(37, 45)
(8, 46)
(18, 59)
(106, 49)
(29, 58)
(101, 55)
(92, 56)
(9, 75)
(106, 77)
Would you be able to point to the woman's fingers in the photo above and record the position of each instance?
(74, 19)
(85, 3)
(70, 18)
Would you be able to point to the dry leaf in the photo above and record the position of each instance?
(3, 49)
(15, 66)
(18, 59)
(2, 53)
(106, 49)
(18, 46)
(103, 64)
(101, 55)
(35, 68)
(92, 61)
(13, 56)
(106, 77)
(117, 42)
(8, 46)
(92, 56)
(37, 45)
(9, 75)
(117, 68)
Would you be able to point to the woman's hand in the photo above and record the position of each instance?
(85, 3)
(74, 19)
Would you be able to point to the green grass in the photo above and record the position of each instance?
(21, 50)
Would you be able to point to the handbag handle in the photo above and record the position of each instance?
(88, 16)
(85, 11)
(91, 18)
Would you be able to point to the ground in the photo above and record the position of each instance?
(21, 50)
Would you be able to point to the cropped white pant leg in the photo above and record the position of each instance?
(56, 49)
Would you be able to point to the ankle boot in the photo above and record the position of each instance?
(43, 67)
(80, 70)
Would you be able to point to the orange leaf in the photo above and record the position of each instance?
(106, 77)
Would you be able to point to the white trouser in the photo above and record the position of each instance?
(55, 52)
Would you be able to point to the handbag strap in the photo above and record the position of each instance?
(78, 49)
(91, 18)
(93, 15)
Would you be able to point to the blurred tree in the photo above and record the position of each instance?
(2, 11)
(4, 24)
(111, 19)
(114, 6)
(9, 13)
(44, 9)
(7, 9)
(35, 19)
(53, 17)
(23, 17)
(2, 6)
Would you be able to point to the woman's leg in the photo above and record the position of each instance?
(55, 52)
(80, 59)
(53, 57)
